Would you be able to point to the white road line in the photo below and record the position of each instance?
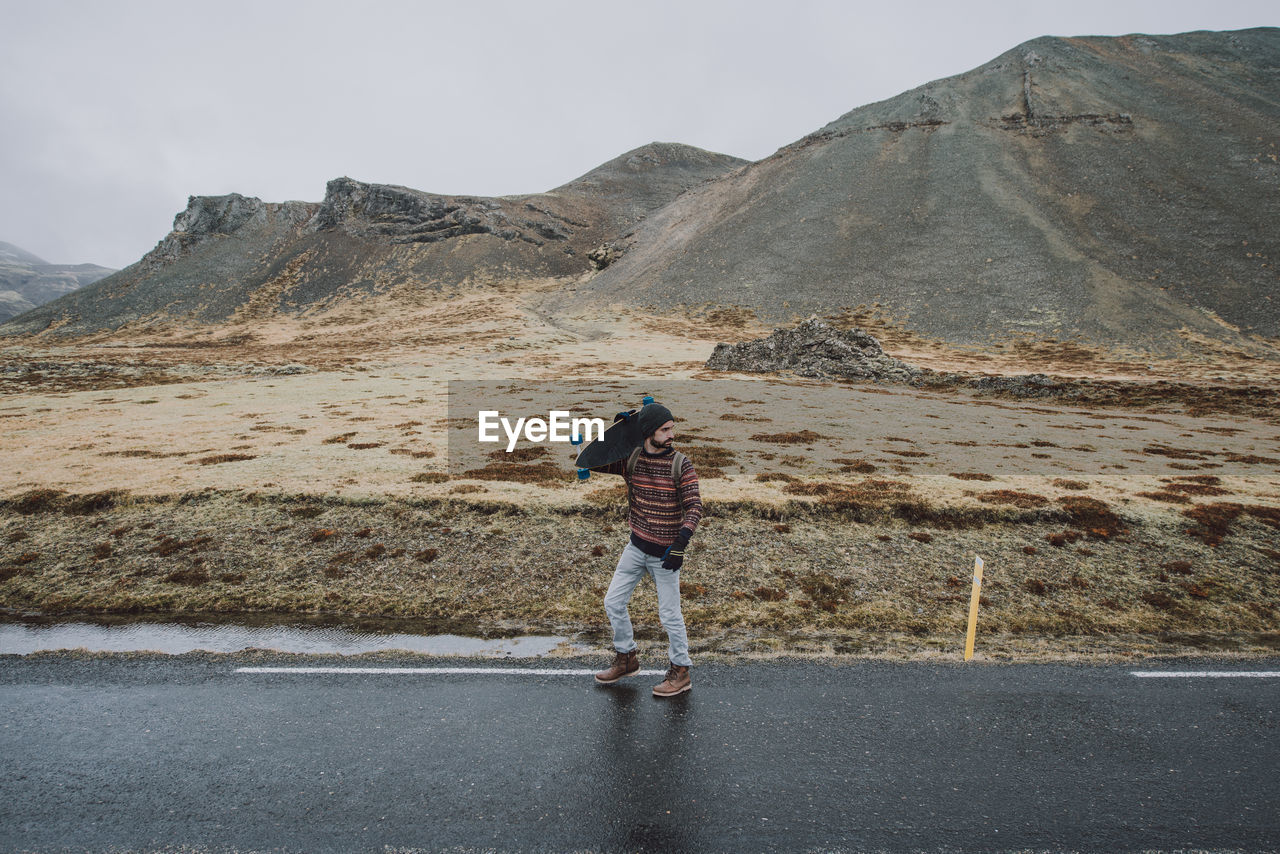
(436, 671)
(1206, 674)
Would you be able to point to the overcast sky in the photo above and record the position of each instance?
(113, 112)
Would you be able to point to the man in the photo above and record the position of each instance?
(663, 512)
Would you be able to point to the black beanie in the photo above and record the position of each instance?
(651, 417)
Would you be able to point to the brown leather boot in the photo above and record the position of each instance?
(677, 682)
(624, 664)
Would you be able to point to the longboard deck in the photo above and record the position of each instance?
(617, 443)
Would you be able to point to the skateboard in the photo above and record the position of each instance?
(617, 443)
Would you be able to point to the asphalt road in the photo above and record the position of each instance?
(143, 753)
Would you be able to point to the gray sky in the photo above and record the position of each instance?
(112, 112)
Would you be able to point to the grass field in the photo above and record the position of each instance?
(291, 478)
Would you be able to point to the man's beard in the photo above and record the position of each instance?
(663, 445)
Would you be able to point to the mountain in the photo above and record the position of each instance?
(237, 257)
(27, 281)
(1120, 191)
(1123, 190)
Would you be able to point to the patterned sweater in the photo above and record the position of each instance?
(658, 509)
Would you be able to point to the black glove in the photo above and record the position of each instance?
(673, 557)
(624, 416)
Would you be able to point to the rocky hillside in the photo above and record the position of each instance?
(27, 281)
(1124, 190)
(236, 257)
(1120, 191)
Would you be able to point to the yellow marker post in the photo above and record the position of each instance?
(973, 607)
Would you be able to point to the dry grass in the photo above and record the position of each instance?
(522, 454)
(513, 472)
(340, 439)
(1093, 516)
(227, 555)
(57, 501)
(803, 548)
(1214, 522)
(800, 437)
(797, 576)
(1196, 489)
(1012, 497)
(709, 460)
(854, 466)
(1166, 497)
(217, 459)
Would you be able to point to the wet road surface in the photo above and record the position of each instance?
(154, 752)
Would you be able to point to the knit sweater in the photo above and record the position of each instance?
(658, 508)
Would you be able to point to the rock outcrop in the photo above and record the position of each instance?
(814, 348)
(403, 215)
(209, 218)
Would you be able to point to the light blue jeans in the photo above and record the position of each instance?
(632, 566)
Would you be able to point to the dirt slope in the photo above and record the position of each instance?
(1119, 189)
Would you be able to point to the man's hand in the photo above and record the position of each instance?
(673, 557)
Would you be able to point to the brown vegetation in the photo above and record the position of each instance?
(1213, 522)
(1166, 497)
(854, 466)
(223, 553)
(1092, 516)
(217, 459)
(521, 454)
(709, 460)
(1013, 497)
(511, 472)
(802, 437)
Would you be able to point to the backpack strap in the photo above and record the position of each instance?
(631, 470)
(677, 464)
(631, 462)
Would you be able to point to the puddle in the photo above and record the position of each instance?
(177, 638)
